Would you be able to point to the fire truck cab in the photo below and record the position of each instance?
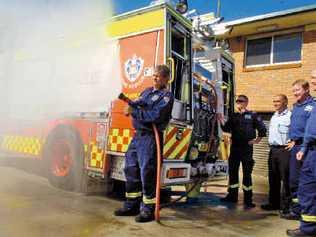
(80, 151)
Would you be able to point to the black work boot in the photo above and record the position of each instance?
(248, 199)
(290, 216)
(249, 204)
(298, 233)
(126, 211)
(145, 216)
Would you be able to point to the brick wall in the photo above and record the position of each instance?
(261, 84)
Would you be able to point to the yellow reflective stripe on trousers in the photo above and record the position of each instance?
(234, 186)
(295, 200)
(246, 188)
(307, 218)
(133, 195)
(149, 200)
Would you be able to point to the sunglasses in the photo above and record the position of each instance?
(241, 101)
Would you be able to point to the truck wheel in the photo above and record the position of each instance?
(64, 159)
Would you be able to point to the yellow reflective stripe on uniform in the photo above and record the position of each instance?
(295, 200)
(234, 186)
(133, 195)
(149, 200)
(246, 188)
(307, 218)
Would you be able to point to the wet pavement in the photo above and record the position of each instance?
(31, 207)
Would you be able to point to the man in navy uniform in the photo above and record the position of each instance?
(153, 107)
(243, 126)
(307, 180)
(300, 114)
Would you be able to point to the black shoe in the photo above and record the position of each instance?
(229, 198)
(269, 207)
(289, 216)
(249, 205)
(284, 212)
(298, 233)
(145, 217)
(126, 212)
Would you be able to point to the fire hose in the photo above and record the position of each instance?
(157, 207)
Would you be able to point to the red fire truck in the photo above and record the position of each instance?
(85, 149)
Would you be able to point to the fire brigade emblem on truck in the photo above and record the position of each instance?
(133, 68)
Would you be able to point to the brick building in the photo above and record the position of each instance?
(271, 51)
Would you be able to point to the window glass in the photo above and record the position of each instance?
(258, 51)
(287, 48)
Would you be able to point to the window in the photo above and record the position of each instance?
(258, 51)
(274, 50)
(287, 48)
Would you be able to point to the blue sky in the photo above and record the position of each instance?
(230, 9)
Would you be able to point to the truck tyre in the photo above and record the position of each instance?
(64, 159)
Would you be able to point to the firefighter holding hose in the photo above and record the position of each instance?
(153, 107)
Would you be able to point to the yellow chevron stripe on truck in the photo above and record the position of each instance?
(176, 143)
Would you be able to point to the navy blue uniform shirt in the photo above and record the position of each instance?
(300, 115)
(243, 127)
(153, 106)
(310, 130)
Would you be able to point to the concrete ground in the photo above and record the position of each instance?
(31, 207)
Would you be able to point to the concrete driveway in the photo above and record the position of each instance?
(31, 207)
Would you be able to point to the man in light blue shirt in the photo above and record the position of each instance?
(279, 156)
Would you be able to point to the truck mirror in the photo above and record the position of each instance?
(179, 110)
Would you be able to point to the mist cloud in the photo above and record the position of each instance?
(55, 58)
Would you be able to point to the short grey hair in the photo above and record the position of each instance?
(163, 70)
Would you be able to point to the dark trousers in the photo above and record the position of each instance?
(295, 170)
(279, 189)
(140, 172)
(307, 193)
(240, 154)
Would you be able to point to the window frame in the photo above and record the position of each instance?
(272, 36)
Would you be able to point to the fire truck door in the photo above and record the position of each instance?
(178, 134)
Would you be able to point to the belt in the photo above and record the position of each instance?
(278, 146)
(298, 141)
(147, 132)
(144, 132)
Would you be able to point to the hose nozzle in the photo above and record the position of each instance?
(124, 98)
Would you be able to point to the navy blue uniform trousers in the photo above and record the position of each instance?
(240, 154)
(140, 172)
(295, 170)
(307, 193)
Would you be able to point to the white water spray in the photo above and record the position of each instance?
(55, 58)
